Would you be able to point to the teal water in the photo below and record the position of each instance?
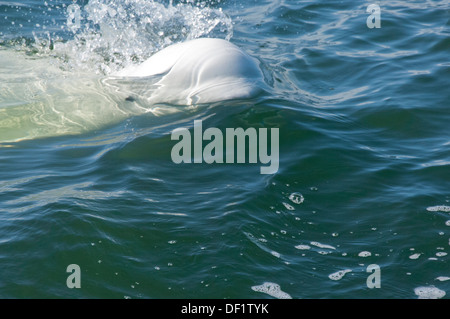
(86, 177)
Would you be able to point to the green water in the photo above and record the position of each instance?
(87, 178)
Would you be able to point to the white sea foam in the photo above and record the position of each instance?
(415, 256)
(288, 206)
(303, 247)
(365, 254)
(443, 278)
(325, 246)
(439, 208)
(296, 198)
(429, 292)
(272, 289)
(338, 275)
(275, 254)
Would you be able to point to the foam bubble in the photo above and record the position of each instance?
(272, 289)
(288, 206)
(429, 292)
(296, 198)
(303, 247)
(275, 254)
(414, 256)
(338, 275)
(317, 244)
(365, 254)
(439, 208)
(443, 278)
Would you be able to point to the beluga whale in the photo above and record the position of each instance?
(203, 70)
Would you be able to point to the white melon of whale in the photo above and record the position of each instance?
(203, 70)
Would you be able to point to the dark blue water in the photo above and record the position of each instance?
(87, 178)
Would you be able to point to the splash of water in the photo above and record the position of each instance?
(52, 85)
(111, 34)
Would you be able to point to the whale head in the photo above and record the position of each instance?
(204, 70)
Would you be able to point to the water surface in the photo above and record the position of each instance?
(86, 176)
